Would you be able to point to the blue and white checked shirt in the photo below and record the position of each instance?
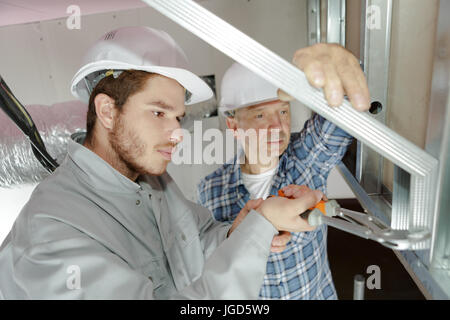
(302, 270)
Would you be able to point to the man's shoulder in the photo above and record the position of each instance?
(214, 185)
(49, 202)
(295, 139)
(60, 185)
(60, 196)
(51, 193)
(218, 177)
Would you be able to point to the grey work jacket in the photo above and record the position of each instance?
(88, 232)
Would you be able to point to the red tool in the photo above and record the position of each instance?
(361, 224)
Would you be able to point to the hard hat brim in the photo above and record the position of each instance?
(224, 109)
(194, 84)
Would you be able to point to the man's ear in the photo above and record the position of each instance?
(232, 125)
(105, 110)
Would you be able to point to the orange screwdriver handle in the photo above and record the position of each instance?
(304, 215)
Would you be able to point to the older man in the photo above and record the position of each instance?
(274, 159)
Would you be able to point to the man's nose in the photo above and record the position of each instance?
(176, 135)
(275, 122)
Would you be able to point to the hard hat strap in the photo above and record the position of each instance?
(94, 78)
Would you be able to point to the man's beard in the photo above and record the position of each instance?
(129, 148)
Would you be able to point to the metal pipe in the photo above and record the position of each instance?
(358, 287)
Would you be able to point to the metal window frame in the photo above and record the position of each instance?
(314, 32)
(375, 56)
(438, 138)
(335, 21)
(422, 167)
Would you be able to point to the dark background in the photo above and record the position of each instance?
(350, 255)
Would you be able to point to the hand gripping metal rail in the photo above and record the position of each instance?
(415, 215)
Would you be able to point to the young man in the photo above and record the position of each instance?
(279, 160)
(110, 223)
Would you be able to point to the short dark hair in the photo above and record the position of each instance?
(129, 82)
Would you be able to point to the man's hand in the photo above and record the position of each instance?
(336, 70)
(284, 213)
(296, 191)
(279, 242)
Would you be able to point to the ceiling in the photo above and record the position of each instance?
(26, 11)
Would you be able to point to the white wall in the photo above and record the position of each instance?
(12, 200)
(39, 59)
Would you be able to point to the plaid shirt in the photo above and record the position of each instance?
(302, 270)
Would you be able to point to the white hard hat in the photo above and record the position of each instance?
(242, 88)
(137, 48)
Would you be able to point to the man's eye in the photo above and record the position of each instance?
(284, 112)
(259, 116)
(158, 114)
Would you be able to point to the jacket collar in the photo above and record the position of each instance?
(97, 172)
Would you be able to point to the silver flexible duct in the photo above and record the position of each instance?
(55, 123)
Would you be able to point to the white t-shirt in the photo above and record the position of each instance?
(259, 185)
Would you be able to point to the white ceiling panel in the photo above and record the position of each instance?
(26, 11)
